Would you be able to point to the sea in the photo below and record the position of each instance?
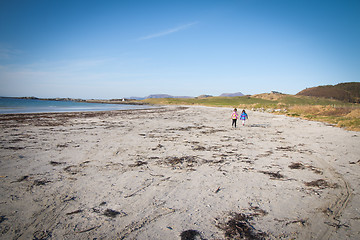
(15, 105)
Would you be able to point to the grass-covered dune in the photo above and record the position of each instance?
(338, 113)
(265, 100)
(348, 92)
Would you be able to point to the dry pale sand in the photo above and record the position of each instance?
(176, 173)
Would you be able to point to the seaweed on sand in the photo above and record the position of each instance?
(74, 212)
(258, 211)
(188, 161)
(239, 226)
(111, 213)
(72, 169)
(23, 178)
(3, 218)
(138, 164)
(40, 182)
(54, 163)
(296, 165)
(273, 175)
(320, 183)
(190, 235)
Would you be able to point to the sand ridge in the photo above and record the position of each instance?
(176, 173)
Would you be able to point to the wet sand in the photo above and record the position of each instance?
(176, 173)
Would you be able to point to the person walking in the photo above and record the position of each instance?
(243, 117)
(234, 117)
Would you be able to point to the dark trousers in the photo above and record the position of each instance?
(234, 122)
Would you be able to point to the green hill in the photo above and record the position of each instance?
(347, 92)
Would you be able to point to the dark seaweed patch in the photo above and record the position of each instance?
(188, 160)
(157, 147)
(84, 163)
(299, 165)
(258, 211)
(54, 163)
(96, 210)
(355, 162)
(72, 169)
(62, 145)
(320, 183)
(14, 148)
(40, 182)
(315, 170)
(22, 178)
(68, 198)
(138, 164)
(302, 222)
(273, 175)
(74, 212)
(3, 218)
(113, 213)
(190, 235)
(15, 140)
(296, 166)
(240, 226)
(287, 148)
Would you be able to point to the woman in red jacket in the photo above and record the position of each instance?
(234, 117)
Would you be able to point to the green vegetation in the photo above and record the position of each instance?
(338, 113)
(214, 101)
(267, 100)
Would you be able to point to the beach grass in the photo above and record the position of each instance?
(260, 100)
(345, 117)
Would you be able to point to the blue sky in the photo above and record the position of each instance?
(115, 49)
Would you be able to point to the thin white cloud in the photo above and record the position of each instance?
(7, 52)
(169, 31)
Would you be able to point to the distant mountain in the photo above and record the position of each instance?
(237, 94)
(136, 98)
(159, 96)
(348, 92)
(166, 96)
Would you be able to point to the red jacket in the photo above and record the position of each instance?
(235, 115)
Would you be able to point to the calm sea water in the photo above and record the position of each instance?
(13, 105)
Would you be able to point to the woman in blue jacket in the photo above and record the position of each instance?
(243, 117)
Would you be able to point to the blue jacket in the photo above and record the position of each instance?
(243, 116)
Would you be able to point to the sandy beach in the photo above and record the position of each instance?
(177, 172)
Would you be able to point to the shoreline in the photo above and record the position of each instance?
(103, 101)
(66, 107)
(79, 113)
(176, 171)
